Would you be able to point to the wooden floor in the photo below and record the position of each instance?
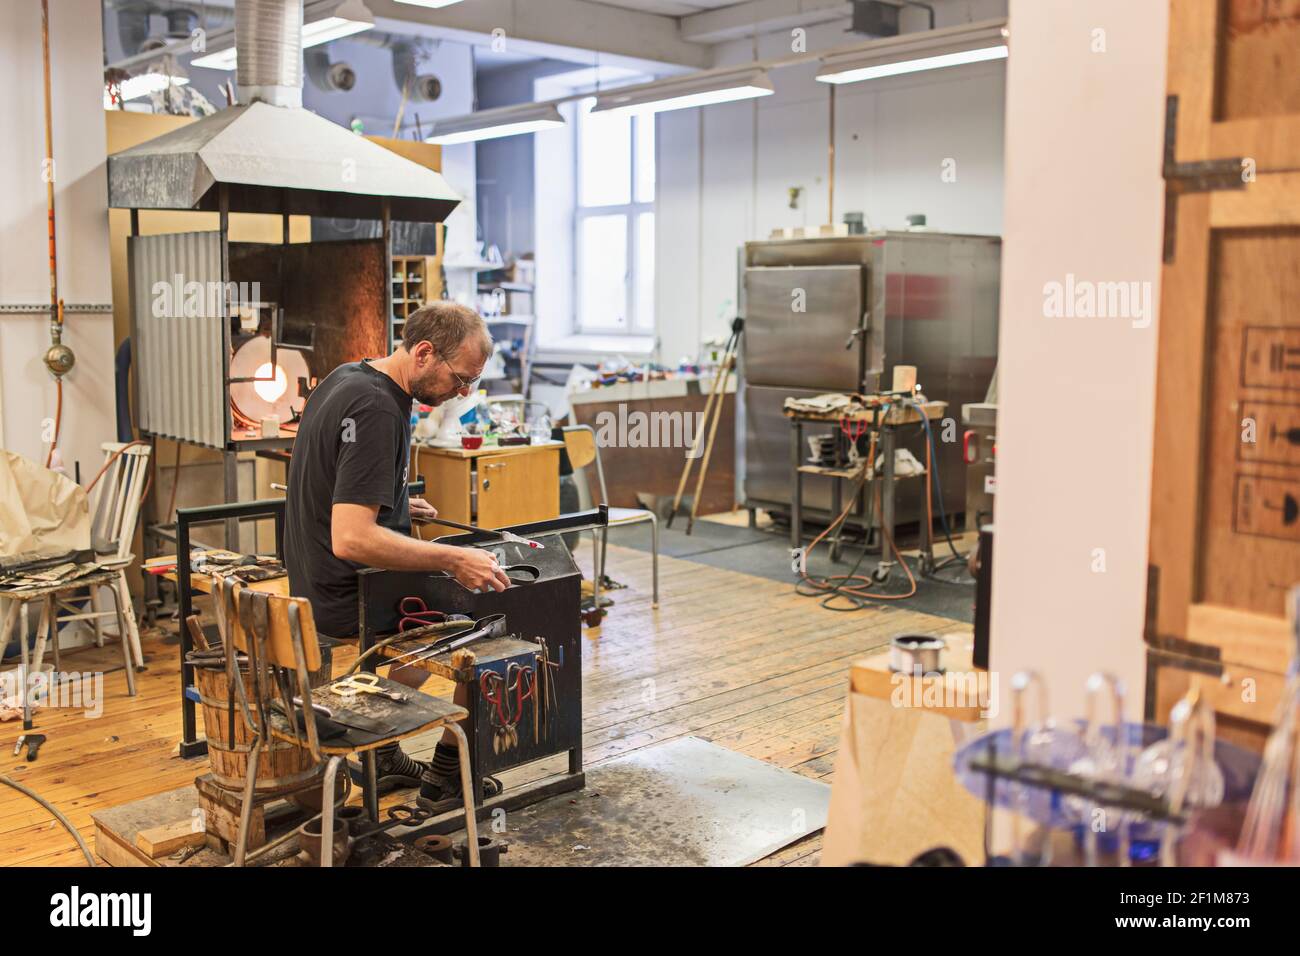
(735, 659)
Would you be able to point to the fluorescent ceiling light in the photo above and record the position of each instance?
(496, 123)
(134, 87)
(914, 52)
(219, 60)
(338, 20)
(684, 92)
(323, 22)
(435, 4)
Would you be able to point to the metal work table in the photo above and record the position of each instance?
(884, 415)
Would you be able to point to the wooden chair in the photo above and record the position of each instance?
(116, 505)
(580, 444)
(278, 636)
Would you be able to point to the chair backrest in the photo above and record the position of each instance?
(277, 634)
(117, 494)
(278, 646)
(580, 445)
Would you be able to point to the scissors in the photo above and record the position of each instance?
(355, 684)
(415, 613)
(496, 691)
(853, 430)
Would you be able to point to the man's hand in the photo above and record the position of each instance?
(421, 510)
(476, 568)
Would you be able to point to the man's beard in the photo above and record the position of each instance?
(424, 390)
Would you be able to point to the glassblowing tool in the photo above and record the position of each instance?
(355, 684)
(494, 625)
(509, 536)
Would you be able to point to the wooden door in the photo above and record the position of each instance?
(1225, 510)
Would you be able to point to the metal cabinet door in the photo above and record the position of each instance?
(797, 321)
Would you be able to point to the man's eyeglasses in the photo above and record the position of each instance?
(471, 385)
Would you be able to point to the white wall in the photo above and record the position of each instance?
(720, 186)
(27, 393)
(1083, 196)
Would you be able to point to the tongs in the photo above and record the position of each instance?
(506, 536)
(494, 625)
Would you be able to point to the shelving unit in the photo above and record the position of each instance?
(416, 280)
(514, 328)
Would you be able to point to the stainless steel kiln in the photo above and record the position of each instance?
(836, 315)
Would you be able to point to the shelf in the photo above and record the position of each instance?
(474, 265)
(847, 473)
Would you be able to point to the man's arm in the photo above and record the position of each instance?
(355, 535)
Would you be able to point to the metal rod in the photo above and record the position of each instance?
(387, 213)
(57, 320)
(830, 161)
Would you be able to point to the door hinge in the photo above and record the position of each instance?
(1200, 176)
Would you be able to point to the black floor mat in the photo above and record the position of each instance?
(766, 554)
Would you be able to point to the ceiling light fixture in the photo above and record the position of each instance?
(914, 52)
(433, 4)
(496, 123)
(685, 92)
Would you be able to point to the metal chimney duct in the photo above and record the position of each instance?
(268, 36)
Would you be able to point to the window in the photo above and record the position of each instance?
(614, 221)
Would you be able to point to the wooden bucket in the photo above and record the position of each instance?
(282, 767)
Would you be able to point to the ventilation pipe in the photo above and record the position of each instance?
(268, 36)
(133, 23)
(331, 77)
(132, 27)
(420, 87)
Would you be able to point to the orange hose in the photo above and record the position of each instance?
(112, 458)
(58, 419)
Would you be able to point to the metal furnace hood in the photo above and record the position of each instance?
(275, 159)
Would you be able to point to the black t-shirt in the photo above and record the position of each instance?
(353, 447)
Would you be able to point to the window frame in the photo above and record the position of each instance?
(630, 211)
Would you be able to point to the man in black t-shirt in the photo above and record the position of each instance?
(347, 505)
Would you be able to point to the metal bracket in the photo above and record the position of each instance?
(1206, 175)
(92, 308)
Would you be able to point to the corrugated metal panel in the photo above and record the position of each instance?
(179, 354)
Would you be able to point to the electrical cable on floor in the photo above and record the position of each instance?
(90, 859)
(841, 586)
(932, 455)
